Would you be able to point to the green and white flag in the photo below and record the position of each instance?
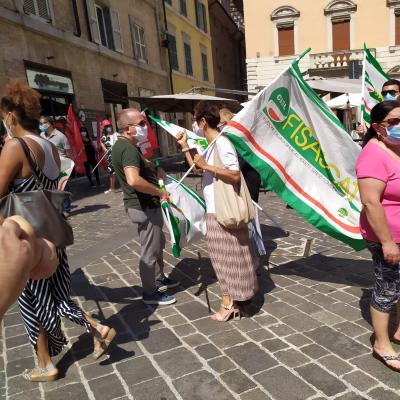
(184, 216)
(373, 79)
(67, 166)
(194, 141)
(301, 150)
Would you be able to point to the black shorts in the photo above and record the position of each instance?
(387, 280)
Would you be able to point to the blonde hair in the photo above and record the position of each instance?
(225, 115)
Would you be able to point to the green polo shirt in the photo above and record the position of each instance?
(124, 154)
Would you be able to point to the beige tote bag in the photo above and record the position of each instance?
(233, 205)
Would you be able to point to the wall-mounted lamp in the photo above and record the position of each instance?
(114, 75)
(50, 58)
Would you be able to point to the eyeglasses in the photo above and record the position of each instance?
(391, 92)
(142, 123)
(392, 121)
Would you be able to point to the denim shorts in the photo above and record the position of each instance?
(387, 280)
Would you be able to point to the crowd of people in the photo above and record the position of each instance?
(44, 298)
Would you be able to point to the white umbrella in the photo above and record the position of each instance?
(337, 85)
(183, 102)
(346, 100)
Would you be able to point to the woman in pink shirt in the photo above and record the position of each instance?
(378, 173)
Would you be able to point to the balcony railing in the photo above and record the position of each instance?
(336, 59)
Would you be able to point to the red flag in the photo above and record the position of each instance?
(75, 140)
(99, 149)
(150, 144)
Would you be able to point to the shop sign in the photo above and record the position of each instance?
(49, 82)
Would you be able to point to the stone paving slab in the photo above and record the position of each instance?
(306, 335)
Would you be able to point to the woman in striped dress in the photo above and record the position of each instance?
(44, 301)
(229, 249)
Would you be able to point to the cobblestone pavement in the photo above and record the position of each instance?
(306, 336)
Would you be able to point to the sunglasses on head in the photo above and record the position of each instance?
(392, 121)
(391, 92)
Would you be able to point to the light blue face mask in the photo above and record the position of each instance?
(42, 128)
(393, 133)
(388, 96)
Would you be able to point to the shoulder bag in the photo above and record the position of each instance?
(42, 208)
(233, 205)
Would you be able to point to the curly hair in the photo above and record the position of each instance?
(23, 102)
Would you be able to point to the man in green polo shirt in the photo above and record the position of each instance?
(139, 182)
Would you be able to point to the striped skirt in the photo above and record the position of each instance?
(44, 301)
(232, 259)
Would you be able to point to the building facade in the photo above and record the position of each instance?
(228, 45)
(91, 53)
(277, 31)
(189, 41)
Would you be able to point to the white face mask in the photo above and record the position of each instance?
(197, 130)
(141, 133)
(7, 128)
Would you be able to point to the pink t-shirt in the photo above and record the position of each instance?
(375, 162)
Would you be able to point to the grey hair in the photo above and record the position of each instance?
(123, 117)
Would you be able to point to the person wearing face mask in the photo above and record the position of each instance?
(230, 250)
(108, 140)
(43, 301)
(378, 173)
(390, 91)
(138, 178)
(90, 156)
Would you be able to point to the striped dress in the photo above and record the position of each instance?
(44, 301)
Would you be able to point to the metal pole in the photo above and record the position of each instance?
(102, 158)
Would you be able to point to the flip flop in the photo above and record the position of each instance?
(383, 360)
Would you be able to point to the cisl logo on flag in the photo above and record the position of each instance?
(278, 105)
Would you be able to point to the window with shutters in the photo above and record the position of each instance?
(397, 27)
(102, 25)
(204, 63)
(286, 40)
(40, 8)
(340, 35)
(188, 58)
(340, 12)
(139, 43)
(285, 30)
(183, 8)
(173, 54)
(201, 15)
(116, 30)
(105, 26)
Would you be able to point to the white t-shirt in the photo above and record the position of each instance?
(228, 156)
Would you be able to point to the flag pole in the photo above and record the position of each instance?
(363, 86)
(102, 158)
(193, 165)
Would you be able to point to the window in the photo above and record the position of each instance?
(204, 63)
(102, 26)
(340, 35)
(188, 58)
(285, 30)
(173, 54)
(340, 12)
(40, 8)
(138, 41)
(105, 26)
(201, 16)
(397, 27)
(286, 40)
(183, 7)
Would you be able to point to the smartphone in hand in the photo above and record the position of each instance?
(193, 152)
